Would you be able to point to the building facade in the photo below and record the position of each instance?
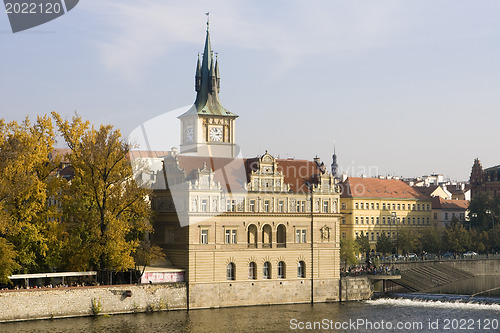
(484, 180)
(374, 206)
(246, 231)
(445, 211)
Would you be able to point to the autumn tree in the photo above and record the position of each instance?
(27, 182)
(431, 239)
(456, 237)
(108, 211)
(408, 240)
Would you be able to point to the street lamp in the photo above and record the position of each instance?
(473, 215)
(492, 217)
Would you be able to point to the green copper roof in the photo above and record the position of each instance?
(207, 86)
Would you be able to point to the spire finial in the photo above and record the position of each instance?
(208, 19)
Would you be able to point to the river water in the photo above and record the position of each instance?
(381, 315)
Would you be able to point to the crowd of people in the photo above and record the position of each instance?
(357, 270)
(50, 285)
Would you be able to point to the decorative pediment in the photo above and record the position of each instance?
(265, 176)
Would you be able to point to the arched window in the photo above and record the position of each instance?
(267, 270)
(281, 236)
(267, 236)
(301, 269)
(252, 236)
(231, 268)
(281, 270)
(252, 271)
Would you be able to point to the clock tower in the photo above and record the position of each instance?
(207, 128)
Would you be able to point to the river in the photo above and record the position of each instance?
(381, 315)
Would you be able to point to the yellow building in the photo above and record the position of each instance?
(374, 206)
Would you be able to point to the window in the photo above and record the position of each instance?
(300, 236)
(344, 235)
(362, 220)
(267, 270)
(383, 206)
(301, 269)
(266, 206)
(399, 206)
(204, 236)
(204, 205)
(303, 206)
(403, 206)
(230, 271)
(267, 236)
(428, 222)
(325, 206)
(393, 206)
(361, 206)
(252, 205)
(413, 220)
(373, 236)
(252, 271)
(343, 220)
(356, 205)
(428, 207)
(383, 220)
(413, 207)
(344, 206)
(418, 206)
(403, 220)
(378, 220)
(281, 206)
(230, 236)
(169, 235)
(281, 270)
(435, 216)
(378, 205)
(357, 221)
(446, 216)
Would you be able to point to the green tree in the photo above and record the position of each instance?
(431, 239)
(384, 244)
(348, 250)
(363, 245)
(108, 211)
(408, 240)
(456, 237)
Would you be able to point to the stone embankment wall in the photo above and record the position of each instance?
(356, 288)
(480, 267)
(85, 301)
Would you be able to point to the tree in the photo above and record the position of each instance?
(108, 211)
(408, 240)
(364, 245)
(384, 244)
(348, 250)
(26, 183)
(146, 253)
(431, 239)
(456, 237)
(8, 263)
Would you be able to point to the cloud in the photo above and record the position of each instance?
(138, 32)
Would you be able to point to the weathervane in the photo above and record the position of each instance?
(208, 19)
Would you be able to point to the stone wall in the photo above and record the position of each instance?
(86, 301)
(356, 288)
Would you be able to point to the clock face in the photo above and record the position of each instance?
(216, 134)
(189, 134)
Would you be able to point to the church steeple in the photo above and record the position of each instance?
(207, 83)
(334, 162)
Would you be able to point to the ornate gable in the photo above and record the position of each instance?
(266, 177)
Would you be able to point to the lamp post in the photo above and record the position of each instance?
(311, 189)
(489, 212)
(473, 215)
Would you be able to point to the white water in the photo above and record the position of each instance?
(458, 305)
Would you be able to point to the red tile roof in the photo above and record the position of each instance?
(440, 203)
(355, 187)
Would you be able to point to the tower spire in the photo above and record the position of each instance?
(334, 162)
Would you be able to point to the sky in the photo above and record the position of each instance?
(404, 88)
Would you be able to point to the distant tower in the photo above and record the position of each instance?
(335, 166)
